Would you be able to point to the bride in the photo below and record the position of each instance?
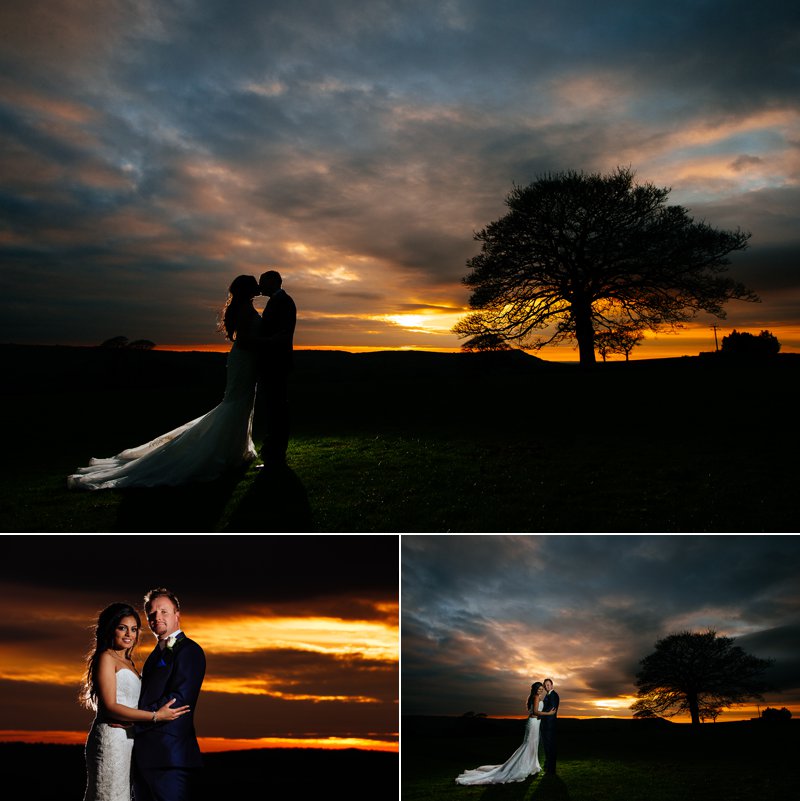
(111, 688)
(205, 448)
(524, 761)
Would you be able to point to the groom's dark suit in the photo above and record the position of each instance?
(165, 755)
(547, 731)
(275, 363)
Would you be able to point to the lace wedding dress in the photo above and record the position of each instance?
(522, 763)
(200, 450)
(108, 750)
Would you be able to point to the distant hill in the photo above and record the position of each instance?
(28, 368)
(58, 773)
(473, 726)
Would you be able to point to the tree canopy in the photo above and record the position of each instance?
(699, 673)
(581, 253)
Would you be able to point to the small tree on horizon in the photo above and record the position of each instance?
(710, 713)
(744, 343)
(115, 342)
(486, 342)
(776, 714)
(576, 251)
(617, 340)
(698, 673)
(123, 342)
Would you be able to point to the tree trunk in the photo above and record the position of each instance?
(694, 708)
(584, 332)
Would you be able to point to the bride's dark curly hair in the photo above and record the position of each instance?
(242, 290)
(104, 629)
(532, 697)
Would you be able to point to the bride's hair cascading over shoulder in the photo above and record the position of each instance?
(532, 697)
(107, 622)
(242, 290)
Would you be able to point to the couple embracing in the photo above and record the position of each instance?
(542, 707)
(221, 441)
(143, 734)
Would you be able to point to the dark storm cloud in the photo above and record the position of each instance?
(780, 645)
(153, 151)
(42, 707)
(481, 616)
(209, 573)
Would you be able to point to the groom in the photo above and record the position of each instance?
(166, 756)
(547, 728)
(274, 342)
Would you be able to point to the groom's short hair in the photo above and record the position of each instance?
(272, 275)
(158, 592)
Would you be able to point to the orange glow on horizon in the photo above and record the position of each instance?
(224, 348)
(687, 342)
(215, 744)
(622, 707)
(212, 744)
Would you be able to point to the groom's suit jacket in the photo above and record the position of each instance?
(278, 322)
(551, 701)
(170, 673)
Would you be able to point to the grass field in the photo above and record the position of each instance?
(606, 760)
(417, 442)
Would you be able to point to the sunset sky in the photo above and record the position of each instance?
(300, 632)
(152, 151)
(485, 616)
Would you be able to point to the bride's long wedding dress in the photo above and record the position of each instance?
(108, 749)
(200, 450)
(522, 763)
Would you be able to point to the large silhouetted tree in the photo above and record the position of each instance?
(580, 253)
(698, 673)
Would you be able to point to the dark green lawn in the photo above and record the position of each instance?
(418, 442)
(608, 760)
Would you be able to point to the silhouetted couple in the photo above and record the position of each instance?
(222, 440)
(524, 762)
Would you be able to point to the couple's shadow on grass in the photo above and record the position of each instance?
(540, 788)
(249, 500)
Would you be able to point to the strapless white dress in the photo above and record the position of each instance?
(203, 449)
(108, 750)
(522, 763)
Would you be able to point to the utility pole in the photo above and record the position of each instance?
(716, 344)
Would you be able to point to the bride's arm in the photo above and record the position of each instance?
(549, 711)
(107, 699)
(246, 330)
